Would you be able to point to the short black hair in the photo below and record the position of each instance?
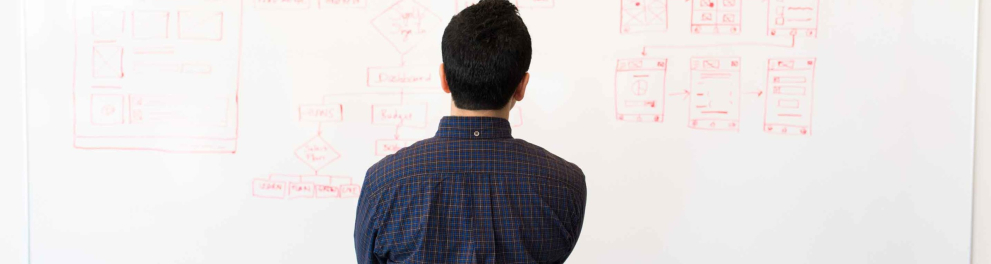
(487, 53)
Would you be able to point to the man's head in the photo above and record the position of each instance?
(487, 52)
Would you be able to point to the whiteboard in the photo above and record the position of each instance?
(13, 194)
(229, 131)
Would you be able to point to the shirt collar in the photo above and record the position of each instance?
(474, 127)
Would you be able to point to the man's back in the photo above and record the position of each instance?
(471, 194)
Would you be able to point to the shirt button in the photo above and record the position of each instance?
(476, 133)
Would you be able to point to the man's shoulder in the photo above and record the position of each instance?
(432, 150)
(551, 158)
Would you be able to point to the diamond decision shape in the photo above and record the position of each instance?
(405, 24)
(317, 153)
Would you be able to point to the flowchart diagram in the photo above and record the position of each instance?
(404, 24)
(401, 96)
(714, 92)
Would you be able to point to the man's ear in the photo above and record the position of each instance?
(443, 80)
(521, 89)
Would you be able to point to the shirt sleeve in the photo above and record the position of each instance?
(576, 217)
(580, 199)
(365, 226)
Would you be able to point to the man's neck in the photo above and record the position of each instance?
(500, 113)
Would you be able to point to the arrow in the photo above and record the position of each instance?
(397, 129)
(319, 128)
(685, 93)
(758, 93)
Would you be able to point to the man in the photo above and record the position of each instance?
(472, 193)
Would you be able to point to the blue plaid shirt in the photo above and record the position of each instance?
(471, 194)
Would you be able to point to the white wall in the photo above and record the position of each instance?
(982, 163)
(13, 220)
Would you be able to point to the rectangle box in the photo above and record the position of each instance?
(640, 89)
(107, 24)
(789, 90)
(108, 62)
(201, 25)
(643, 16)
(107, 109)
(268, 189)
(328, 191)
(403, 77)
(385, 147)
(788, 103)
(178, 110)
(789, 79)
(408, 115)
(301, 190)
(730, 18)
(713, 66)
(321, 113)
(716, 16)
(350, 190)
(150, 24)
(715, 93)
(793, 18)
(788, 108)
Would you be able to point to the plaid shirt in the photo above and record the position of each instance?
(471, 194)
